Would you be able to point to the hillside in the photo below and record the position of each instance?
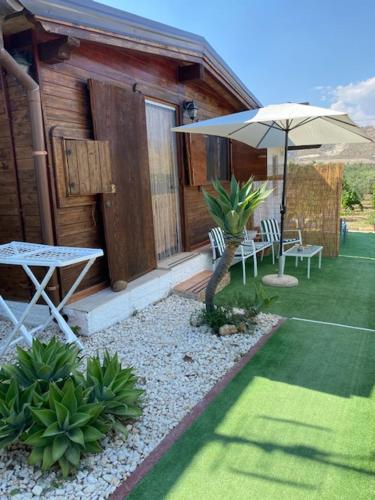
(345, 153)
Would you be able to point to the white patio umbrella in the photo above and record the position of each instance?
(282, 125)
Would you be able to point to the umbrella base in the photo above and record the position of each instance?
(284, 281)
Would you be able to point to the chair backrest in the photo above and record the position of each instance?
(270, 230)
(217, 241)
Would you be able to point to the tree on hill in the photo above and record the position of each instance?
(350, 196)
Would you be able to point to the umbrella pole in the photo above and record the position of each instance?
(280, 279)
(283, 205)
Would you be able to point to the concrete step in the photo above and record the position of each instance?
(176, 260)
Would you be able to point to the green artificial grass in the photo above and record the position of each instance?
(295, 423)
(360, 244)
(343, 291)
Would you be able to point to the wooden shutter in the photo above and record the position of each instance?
(248, 161)
(119, 117)
(217, 158)
(87, 167)
(197, 158)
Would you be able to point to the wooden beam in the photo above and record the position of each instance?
(191, 72)
(57, 51)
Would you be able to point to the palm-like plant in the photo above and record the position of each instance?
(231, 212)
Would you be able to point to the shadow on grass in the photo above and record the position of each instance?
(273, 479)
(330, 360)
(298, 450)
(341, 292)
(294, 422)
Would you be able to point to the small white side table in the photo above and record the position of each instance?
(307, 251)
(26, 255)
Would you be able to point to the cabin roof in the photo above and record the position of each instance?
(89, 15)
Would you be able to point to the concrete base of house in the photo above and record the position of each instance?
(105, 308)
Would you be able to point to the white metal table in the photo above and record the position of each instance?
(28, 255)
(305, 251)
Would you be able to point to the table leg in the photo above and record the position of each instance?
(39, 290)
(14, 320)
(308, 267)
(73, 288)
(296, 261)
(65, 328)
(320, 259)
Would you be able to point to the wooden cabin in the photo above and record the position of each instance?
(112, 85)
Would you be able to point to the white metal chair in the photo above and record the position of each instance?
(248, 249)
(271, 234)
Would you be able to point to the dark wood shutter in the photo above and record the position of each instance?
(88, 167)
(197, 158)
(217, 158)
(119, 117)
(248, 161)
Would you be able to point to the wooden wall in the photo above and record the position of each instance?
(66, 104)
(19, 210)
(66, 111)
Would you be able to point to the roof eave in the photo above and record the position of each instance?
(194, 49)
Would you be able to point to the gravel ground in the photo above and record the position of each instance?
(177, 365)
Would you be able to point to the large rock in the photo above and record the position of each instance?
(228, 330)
(119, 285)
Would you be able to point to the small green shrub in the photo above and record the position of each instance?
(60, 412)
(114, 387)
(44, 363)
(240, 310)
(216, 318)
(65, 429)
(350, 196)
(15, 414)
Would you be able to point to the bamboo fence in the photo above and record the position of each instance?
(313, 204)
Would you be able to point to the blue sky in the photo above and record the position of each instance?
(285, 50)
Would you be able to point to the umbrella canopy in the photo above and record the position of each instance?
(266, 127)
(277, 125)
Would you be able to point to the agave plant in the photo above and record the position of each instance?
(15, 415)
(53, 361)
(114, 387)
(66, 428)
(231, 212)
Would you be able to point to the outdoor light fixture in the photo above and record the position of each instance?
(191, 109)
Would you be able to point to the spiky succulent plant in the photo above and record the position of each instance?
(67, 428)
(48, 362)
(231, 212)
(15, 415)
(114, 387)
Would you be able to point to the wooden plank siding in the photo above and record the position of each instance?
(66, 107)
(19, 212)
(67, 114)
(248, 161)
(66, 104)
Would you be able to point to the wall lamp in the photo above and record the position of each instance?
(191, 108)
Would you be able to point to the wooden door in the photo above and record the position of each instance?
(162, 152)
(119, 117)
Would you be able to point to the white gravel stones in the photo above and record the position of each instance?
(177, 365)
